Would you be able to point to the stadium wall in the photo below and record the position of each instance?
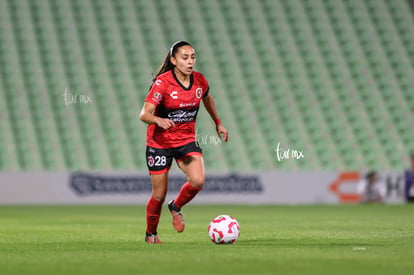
(233, 188)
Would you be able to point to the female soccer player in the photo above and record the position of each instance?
(170, 110)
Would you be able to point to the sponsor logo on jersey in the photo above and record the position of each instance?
(192, 104)
(174, 94)
(180, 116)
(199, 92)
(151, 161)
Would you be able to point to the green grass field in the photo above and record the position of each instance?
(347, 239)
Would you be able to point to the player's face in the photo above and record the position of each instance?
(184, 59)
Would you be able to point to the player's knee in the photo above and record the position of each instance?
(159, 196)
(197, 182)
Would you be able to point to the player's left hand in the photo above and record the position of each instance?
(222, 132)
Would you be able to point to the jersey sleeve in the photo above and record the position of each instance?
(206, 86)
(155, 94)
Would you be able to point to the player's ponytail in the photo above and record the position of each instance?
(167, 65)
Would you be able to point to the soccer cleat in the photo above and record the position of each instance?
(177, 217)
(152, 238)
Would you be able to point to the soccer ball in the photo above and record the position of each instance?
(224, 229)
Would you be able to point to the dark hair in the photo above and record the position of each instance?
(167, 65)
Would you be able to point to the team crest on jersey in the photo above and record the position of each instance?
(151, 161)
(158, 96)
(199, 92)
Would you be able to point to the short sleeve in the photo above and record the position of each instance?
(206, 86)
(155, 93)
(206, 92)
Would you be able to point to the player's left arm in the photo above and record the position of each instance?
(210, 106)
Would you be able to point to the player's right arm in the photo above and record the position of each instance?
(147, 116)
(153, 99)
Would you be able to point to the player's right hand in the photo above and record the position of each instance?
(165, 123)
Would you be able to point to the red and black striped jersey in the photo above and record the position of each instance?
(179, 104)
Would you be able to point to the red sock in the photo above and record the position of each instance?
(153, 214)
(186, 194)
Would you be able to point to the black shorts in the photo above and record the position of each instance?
(160, 160)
